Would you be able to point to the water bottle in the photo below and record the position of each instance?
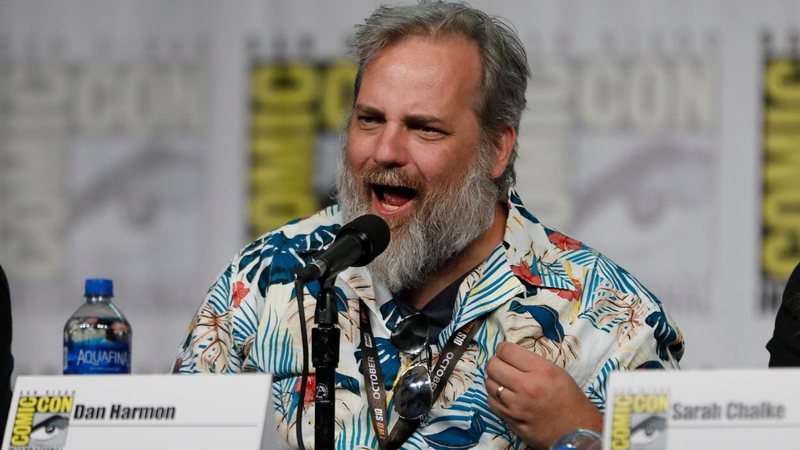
(97, 337)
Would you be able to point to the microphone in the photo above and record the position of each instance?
(356, 244)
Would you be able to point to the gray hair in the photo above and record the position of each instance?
(505, 64)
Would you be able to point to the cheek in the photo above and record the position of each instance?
(357, 152)
(437, 169)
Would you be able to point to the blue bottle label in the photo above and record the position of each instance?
(97, 357)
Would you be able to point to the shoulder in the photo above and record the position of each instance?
(284, 249)
(5, 303)
(587, 287)
(4, 294)
(598, 271)
(557, 260)
(793, 285)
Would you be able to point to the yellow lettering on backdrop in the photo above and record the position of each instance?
(285, 85)
(290, 104)
(283, 97)
(781, 202)
(337, 94)
(781, 74)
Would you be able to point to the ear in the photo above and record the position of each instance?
(503, 147)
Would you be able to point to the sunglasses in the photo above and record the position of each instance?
(413, 393)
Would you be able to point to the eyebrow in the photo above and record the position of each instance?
(414, 120)
(366, 109)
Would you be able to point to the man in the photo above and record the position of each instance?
(784, 347)
(430, 146)
(6, 360)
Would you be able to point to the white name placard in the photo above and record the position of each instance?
(135, 412)
(719, 409)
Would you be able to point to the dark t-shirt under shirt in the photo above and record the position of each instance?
(439, 310)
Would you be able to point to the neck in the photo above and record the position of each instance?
(475, 253)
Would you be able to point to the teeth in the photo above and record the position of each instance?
(389, 207)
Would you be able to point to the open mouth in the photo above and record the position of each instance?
(393, 198)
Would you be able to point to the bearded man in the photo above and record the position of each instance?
(537, 319)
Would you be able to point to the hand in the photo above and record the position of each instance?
(540, 401)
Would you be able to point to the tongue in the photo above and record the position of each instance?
(394, 199)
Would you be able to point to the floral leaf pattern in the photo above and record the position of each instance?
(212, 340)
(544, 335)
(618, 312)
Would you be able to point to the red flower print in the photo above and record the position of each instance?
(566, 294)
(239, 292)
(311, 387)
(177, 366)
(564, 242)
(523, 271)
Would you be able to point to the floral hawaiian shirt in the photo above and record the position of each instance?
(540, 289)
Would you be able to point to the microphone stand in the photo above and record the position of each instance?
(325, 358)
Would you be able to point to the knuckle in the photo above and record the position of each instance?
(502, 349)
(491, 366)
(531, 388)
(548, 370)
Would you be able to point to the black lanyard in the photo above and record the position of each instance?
(374, 383)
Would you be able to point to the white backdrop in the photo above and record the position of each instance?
(124, 151)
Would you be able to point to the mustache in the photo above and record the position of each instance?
(392, 177)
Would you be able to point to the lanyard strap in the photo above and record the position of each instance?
(374, 383)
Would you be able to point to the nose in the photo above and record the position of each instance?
(391, 150)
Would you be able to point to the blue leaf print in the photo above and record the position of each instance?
(457, 438)
(284, 254)
(650, 365)
(339, 296)
(597, 391)
(390, 313)
(517, 202)
(665, 335)
(349, 383)
(545, 315)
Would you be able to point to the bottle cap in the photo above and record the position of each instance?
(99, 286)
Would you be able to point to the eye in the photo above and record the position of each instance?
(648, 430)
(429, 132)
(367, 120)
(49, 428)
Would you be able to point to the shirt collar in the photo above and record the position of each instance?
(534, 252)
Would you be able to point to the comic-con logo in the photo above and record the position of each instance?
(41, 422)
(640, 422)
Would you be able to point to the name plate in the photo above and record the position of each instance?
(684, 410)
(134, 412)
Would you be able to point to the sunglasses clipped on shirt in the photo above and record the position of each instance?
(416, 389)
(413, 392)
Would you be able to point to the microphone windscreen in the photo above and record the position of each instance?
(372, 231)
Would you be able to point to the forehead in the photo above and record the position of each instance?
(445, 69)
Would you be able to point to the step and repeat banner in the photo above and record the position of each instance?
(147, 142)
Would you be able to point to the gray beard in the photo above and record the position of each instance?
(442, 225)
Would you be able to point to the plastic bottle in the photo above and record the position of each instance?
(97, 337)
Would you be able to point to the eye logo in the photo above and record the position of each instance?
(41, 422)
(649, 432)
